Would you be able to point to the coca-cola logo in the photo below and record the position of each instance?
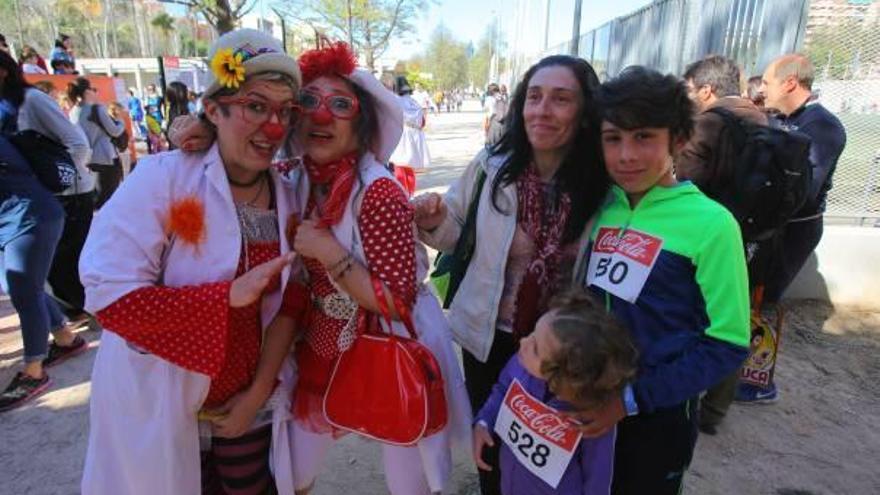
(541, 419)
(633, 244)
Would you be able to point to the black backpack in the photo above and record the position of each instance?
(771, 174)
(49, 159)
(119, 142)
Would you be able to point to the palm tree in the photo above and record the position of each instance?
(164, 23)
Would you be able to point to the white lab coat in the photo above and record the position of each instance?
(144, 436)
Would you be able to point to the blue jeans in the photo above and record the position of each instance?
(24, 266)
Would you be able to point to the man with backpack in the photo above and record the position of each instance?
(787, 88)
(713, 82)
(733, 157)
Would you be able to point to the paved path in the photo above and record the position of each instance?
(42, 445)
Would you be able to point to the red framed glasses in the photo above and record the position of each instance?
(258, 112)
(341, 106)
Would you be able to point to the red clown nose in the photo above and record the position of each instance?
(322, 116)
(273, 130)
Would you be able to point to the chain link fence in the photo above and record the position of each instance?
(842, 38)
(846, 55)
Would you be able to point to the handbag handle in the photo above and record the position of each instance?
(402, 310)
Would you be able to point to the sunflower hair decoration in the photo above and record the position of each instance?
(228, 67)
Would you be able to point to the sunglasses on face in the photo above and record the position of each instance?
(339, 105)
(258, 112)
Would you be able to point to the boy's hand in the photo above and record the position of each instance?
(597, 421)
(482, 437)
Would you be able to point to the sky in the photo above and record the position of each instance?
(468, 19)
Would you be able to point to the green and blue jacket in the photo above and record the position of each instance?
(690, 318)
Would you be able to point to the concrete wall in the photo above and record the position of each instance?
(844, 269)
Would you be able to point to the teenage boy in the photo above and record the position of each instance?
(668, 262)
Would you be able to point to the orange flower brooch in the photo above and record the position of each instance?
(186, 220)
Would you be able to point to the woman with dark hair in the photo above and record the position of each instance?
(177, 99)
(31, 221)
(61, 58)
(544, 180)
(37, 111)
(95, 121)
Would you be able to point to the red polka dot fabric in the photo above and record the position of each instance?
(245, 335)
(386, 228)
(295, 303)
(385, 222)
(193, 327)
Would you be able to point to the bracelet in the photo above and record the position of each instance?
(342, 272)
(347, 258)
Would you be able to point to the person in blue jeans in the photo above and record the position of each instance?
(577, 357)
(31, 220)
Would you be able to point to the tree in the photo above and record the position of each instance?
(481, 61)
(367, 25)
(446, 58)
(223, 15)
(165, 24)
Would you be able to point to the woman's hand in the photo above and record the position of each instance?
(189, 133)
(482, 437)
(317, 242)
(430, 210)
(248, 288)
(235, 417)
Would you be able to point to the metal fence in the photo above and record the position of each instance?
(847, 61)
(844, 45)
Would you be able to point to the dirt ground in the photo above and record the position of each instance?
(819, 439)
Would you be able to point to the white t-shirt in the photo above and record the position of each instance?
(32, 69)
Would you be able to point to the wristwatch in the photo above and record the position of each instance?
(629, 401)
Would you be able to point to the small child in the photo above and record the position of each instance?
(577, 358)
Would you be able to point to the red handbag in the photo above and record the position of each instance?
(387, 387)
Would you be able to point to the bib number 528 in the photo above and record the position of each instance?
(527, 446)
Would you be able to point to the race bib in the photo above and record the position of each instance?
(621, 261)
(539, 437)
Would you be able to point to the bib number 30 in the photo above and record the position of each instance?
(525, 443)
(616, 272)
(621, 261)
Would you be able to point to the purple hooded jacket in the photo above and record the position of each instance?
(591, 467)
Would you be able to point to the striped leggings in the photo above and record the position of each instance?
(238, 466)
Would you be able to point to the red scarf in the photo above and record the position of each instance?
(340, 175)
(545, 225)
